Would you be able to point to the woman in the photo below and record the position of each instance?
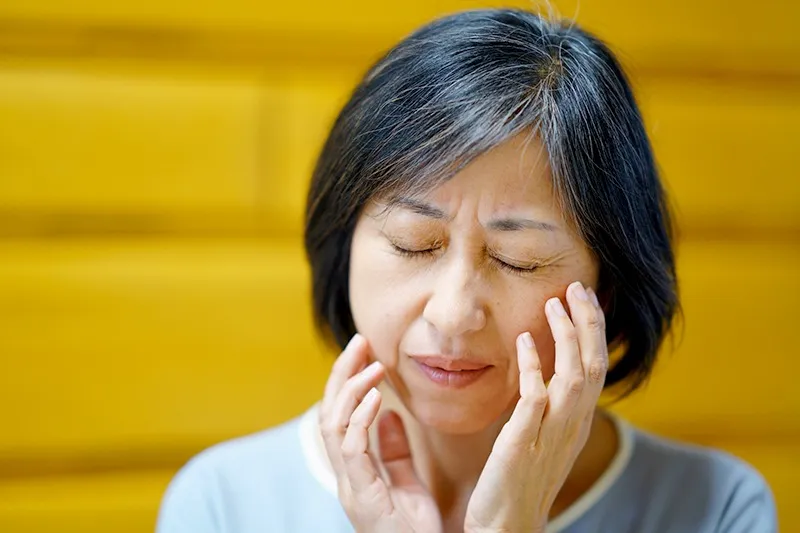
(484, 223)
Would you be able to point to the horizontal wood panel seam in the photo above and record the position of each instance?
(22, 464)
(288, 225)
(294, 46)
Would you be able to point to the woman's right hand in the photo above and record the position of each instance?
(399, 504)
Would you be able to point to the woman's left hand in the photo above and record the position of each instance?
(539, 444)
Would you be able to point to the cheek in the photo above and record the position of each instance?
(382, 307)
(525, 312)
(545, 347)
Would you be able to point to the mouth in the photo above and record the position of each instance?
(452, 373)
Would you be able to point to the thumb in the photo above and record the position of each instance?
(396, 452)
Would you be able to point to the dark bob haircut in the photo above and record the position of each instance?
(460, 86)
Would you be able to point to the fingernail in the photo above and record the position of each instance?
(527, 340)
(353, 342)
(579, 291)
(373, 368)
(557, 307)
(371, 395)
(593, 297)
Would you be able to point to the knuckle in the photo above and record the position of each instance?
(324, 429)
(569, 335)
(546, 441)
(349, 450)
(331, 429)
(328, 434)
(350, 387)
(539, 400)
(575, 385)
(597, 370)
(595, 323)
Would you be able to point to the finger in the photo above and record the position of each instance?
(395, 451)
(590, 325)
(568, 381)
(334, 424)
(358, 465)
(351, 395)
(525, 423)
(596, 361)
(350, 361)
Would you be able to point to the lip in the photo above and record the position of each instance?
(451, 373)
(448, 363)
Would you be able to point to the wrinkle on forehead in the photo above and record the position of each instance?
(514, 180)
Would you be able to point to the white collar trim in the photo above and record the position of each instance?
(319, 465)
(316, 457)
(603, 484)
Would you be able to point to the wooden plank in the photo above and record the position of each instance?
(139, 344)
(712, 36)
(129, 350)
(311, 99)
(123, 502)
(127, 502)
(110, 138)
(732, 368)
(715, 35)
(726, 152)
(155, 340)
(142, 149)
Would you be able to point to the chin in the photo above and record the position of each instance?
(453, 417)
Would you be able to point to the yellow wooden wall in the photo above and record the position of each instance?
(153, 293)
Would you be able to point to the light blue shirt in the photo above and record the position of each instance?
(277, 481)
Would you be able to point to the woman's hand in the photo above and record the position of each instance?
(349, 407)
(537, 447)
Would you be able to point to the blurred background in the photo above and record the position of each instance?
(154, 156)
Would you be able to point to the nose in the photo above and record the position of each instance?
(455, 307)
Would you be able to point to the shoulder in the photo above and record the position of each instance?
(271, 450)
(714, 490)
(227, 479)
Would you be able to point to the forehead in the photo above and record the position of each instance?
(513, 175)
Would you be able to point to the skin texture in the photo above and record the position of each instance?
(477, 269)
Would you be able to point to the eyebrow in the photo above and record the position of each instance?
(420, 208)
(500, 224)
(516, 224)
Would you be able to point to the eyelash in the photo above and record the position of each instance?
(418, 254)
(412, 253)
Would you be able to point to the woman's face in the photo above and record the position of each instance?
(448, 280)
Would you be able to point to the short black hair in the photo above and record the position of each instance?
(460, 86)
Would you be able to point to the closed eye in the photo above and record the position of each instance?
(513, 268)
(406, 252)
(503, 264)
